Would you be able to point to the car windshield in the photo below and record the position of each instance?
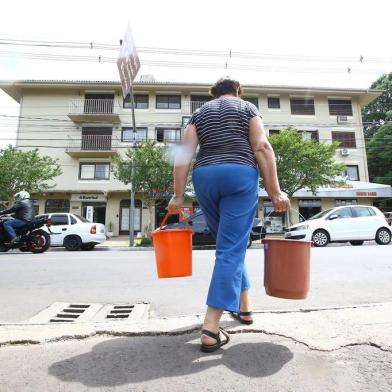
(82, 219)
(320, 214)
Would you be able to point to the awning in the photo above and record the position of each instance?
(350, 189)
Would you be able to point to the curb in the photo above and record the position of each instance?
(318, 329)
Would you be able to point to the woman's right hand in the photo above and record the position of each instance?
(280, 202)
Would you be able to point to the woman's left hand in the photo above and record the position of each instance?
(175, 204)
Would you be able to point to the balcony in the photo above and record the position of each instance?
(189, 107)
(92, 146)
(92, 110)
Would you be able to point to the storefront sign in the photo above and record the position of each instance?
(88, 197)
(369, 194)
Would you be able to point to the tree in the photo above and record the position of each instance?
(379, 152)
(25, 170)
(304, 163)
(380, 110)
(153, 173)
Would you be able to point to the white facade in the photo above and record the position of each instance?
(82, 125)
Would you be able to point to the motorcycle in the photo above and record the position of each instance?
(32, 237)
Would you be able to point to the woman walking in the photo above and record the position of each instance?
(225, 176)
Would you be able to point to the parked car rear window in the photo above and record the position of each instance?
(73, 220)
(59, 220)
(364, 211)
(81, 218)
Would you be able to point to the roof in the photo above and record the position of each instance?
(14, 87)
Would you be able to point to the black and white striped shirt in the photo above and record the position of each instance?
(222, 127)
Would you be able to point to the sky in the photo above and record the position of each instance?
(277, 37)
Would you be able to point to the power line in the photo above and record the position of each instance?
(200, 65)
(360, 58)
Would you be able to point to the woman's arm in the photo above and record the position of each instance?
(182, 164)
(265, 158)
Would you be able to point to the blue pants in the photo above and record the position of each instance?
(11, 225)
(228, 194)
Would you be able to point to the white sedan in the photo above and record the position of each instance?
(354, 224)
(74, 232)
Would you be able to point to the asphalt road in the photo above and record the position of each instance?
(341, 275)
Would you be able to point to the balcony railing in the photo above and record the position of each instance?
(100, 144)
(189, 107)
(93, 106)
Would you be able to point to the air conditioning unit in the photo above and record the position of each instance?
(344, 152)
(342, 119)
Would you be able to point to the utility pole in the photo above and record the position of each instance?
(132, 200)
(128, 64)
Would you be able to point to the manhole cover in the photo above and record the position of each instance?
(63, 312)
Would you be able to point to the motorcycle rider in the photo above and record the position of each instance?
(23, 212)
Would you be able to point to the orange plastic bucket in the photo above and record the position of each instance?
(287, 268)
(173, 250)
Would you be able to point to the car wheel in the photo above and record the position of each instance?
(88, 246)
(383, 236)
(320, 238)
(356, 243)
(249, 242)
(73, 243)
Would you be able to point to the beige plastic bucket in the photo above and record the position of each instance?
(287, 268)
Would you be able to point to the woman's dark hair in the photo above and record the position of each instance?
(226, 86)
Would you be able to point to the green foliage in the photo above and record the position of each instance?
(304, 163)
(379, 152)
(25, 170)
(377, 111)
(153, 171)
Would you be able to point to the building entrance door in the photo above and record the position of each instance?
(98, 212)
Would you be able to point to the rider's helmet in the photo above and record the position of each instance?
(21, 195)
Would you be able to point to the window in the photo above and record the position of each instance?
(351, 172)
(73, 220)
(94, 171)
(310, 135)
(56, 205)
(253, 100)
(168, 134)
(168, 102)
(302, 106)
(185, 120)
(346, 139)
(58, 220)
(344, 213)
(273, 103)
(363, 211)
(340, 107)
(140, 100)
(308, 208)
(345, 202)
(274, 132)
(127, 134)
(36, 206)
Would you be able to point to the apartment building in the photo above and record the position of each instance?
(84, 124)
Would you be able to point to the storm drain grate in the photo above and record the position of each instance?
(120, 312)
(69, 314)
(79, 312)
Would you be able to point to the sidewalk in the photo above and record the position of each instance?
(342, 349)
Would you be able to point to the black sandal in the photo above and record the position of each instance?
(238, 317)
(209, 348)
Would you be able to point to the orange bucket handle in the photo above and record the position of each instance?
(182, 219)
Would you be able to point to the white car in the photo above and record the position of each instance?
(74, 232)
(354, 224)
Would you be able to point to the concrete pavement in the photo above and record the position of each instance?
(341, 349)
